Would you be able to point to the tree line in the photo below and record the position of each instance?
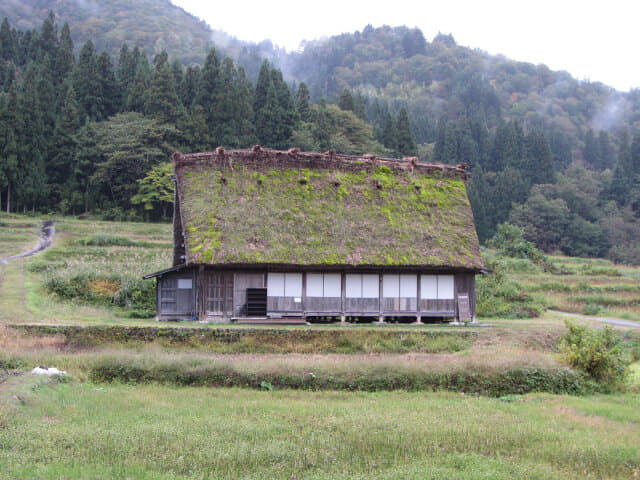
(93, 135)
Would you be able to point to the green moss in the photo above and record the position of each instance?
(374, 216)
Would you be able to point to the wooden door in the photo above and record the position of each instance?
(219, 293)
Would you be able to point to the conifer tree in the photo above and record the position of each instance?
(406, 146)
(108, 86)
(622, 173)
(10, 152)
(262, 87)
(137, 92)
(162, 102)
(8, 44)
(86, 84)
(65, 59)
(33, 142)
(49, 39)
(345, 102)
(189, 87)
(60, 171)
(389, 137)
(243, 100)
(302, 102)
(127, 64)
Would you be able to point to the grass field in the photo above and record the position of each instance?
(155, 432)
(126, 410)
(585, 286)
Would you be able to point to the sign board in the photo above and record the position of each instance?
(464, 310)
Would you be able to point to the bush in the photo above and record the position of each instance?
(509, 241)
(106, 241)
(498, 296)
(598, 353)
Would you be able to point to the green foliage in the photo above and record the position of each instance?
(509, 241)
(499, 296)
(156, 188)
(599, 353)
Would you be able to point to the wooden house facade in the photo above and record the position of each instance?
(263, 235)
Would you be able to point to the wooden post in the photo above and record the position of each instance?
(199, 284)
(419, 294)
(343, 298)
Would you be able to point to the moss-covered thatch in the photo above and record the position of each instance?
(269, 207)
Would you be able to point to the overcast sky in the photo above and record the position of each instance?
(591, 40)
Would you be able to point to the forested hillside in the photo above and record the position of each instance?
(92, 132)
(153, 25)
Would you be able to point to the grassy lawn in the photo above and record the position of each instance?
(158, 432)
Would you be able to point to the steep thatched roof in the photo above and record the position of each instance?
(292, 208)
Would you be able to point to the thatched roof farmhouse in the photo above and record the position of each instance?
(266, 235)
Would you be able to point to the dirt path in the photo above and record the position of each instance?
(47, 231)
(612, 321)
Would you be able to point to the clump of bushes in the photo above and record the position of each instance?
(106, 241)
(499, 296)
(517, 380)
(135, 294)
(598, 353)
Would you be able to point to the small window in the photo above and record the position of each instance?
(184, 284)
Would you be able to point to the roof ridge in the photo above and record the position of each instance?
(331, 158)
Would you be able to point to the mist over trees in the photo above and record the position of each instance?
(93, 133)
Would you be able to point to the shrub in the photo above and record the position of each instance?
(509, 241)
(498, 296)
(106, 241)
(598, 353)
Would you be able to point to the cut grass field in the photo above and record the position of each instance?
(52, 431)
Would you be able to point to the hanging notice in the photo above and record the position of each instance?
(464, 311)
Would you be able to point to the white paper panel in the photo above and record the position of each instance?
(408, 286)
(293, 285)
(332, 285)
(275, 285)
(314, 284)
(390, 286)
(370, 286)
(445, 287)
(184, 283)
(353, 285)
(429, 287)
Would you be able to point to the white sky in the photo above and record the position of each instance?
(597, 41)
